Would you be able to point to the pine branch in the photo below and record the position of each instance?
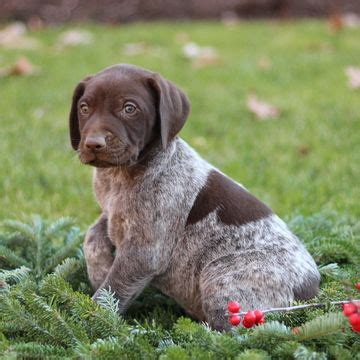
(98, 321)
(36, 350)
(65, 330)
(20, 227)
(74, 241)
(14, 276)
(302, 353)
(68, 268)
(109, 348)
(331, 270)
(14, 239)
(14, 317)
(42, 247)
(59, 225)
(107, 300)
(321, 326)
(11, 258)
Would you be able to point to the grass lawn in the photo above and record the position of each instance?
(304, 162)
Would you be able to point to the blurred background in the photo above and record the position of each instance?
(274, 87)
(115, 11)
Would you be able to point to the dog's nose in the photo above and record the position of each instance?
(96, 142)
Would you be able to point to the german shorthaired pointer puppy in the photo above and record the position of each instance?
(174, 220)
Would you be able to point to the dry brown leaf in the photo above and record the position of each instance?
(264, 63)
(35, 23)
(14, 36)
(22, 67)
(206, 59)
(74, 38)
(182, 37)
(199, 141)
(141, 48)
(261, 109)
(230, 18)
(335, 22)
(353, 74)
(201, 56)
(135, 49)
(304, 150)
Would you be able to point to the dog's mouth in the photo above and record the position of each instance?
(100, 163)
(107, 160)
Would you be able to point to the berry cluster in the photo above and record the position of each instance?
(352, 311)
(250, 319)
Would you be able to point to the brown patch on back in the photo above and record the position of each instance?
(236, 206)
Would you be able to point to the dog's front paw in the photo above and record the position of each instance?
(96, 296)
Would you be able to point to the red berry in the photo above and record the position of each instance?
(354, 319)
(233, 306)
(357, 285)
(356, 328)
(249, 319)
(235, 320)
(248, 324)
(261, 321)
(349, 309)
(259, 315)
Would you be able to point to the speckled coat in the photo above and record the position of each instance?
(168, 217)
(166, 234)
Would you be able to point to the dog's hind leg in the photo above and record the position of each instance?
(253, 278)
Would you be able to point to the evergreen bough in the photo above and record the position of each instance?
(46, 310)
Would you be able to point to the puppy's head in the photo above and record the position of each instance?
(116, 113)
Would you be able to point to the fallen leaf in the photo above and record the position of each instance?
(206, 58)
(22, 67)
(351, 20)
(264, 63)
(201, 56)
(304, 150)
(335, 22)
(230, 18)
(135, 49)
(200, 141)
(74, 38)
(141, 48)
(35, 23)
(261, 109)
(14, 36)
(39, 113)
(191, 50)
(182, 37)
(353, 74)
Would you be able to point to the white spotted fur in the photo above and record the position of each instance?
(203, 265)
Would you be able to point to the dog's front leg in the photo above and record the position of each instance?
(98, 251)
(131, 271)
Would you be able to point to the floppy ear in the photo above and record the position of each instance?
(73, 118)
(173, 108)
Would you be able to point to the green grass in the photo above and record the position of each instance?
(39, 173)
(316, 190)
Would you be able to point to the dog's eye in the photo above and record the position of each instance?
(129, 108)
(84, 109)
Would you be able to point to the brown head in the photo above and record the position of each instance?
(118, 113)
